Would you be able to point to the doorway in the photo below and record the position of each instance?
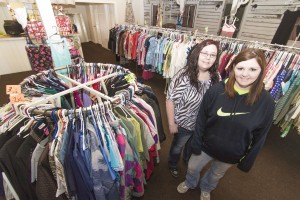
(102, 19)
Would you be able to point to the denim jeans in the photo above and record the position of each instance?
(211, 177)
(179, 141)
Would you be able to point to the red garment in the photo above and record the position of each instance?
(126, 47)
(150, 165)
(147, 75)
(134, 45)
(223, 64)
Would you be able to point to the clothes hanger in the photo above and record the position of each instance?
(27, 124)
(31, 80)
(110, 111)
(15, 120)
(55, 37)
(82, 123)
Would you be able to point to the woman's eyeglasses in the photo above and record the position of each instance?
(208, 55)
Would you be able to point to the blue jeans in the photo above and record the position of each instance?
(179, 141)
(211, 177)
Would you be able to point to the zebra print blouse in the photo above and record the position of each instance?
(186, 100)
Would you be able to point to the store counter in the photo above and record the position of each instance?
(13, 57)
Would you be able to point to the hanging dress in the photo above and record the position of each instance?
(129, 15)
(228, 29)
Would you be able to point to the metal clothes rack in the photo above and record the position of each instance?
(119, 98)
(219, 38)
(79, 86)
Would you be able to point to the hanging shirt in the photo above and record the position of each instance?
(129, 15)
(60, 53)
(228, 29)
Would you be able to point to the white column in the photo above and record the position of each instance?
(47, 15)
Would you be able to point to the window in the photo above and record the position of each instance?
(188, 16)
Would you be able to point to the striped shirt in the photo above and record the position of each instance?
(186, 99)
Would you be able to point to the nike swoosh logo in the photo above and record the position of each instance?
(223, 114)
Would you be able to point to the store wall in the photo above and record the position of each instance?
(208, 14)
(262, 19)
(82, 9)
(120, 6)
(100, 16)
(138, 10)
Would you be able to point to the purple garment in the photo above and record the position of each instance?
(131, 182)
(77, 99)
(86, 99)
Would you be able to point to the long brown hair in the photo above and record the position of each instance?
(192, 70)
(258, 85)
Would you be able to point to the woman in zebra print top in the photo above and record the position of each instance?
(185, 94)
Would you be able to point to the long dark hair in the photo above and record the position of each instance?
(258, 85)
(192, 70)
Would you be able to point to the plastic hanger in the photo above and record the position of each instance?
(15, 121)
(121, 106)
(26, 126)
(108, 107)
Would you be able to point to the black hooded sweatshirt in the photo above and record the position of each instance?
(229, 130)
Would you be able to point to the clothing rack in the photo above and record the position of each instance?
(156, 54)
(95, 128)
(156, 28)
(219, 38)
(118, 98)
(84, 85)
(36, 111)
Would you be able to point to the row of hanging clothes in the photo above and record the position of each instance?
(90, 132)
(161, 52)
(165, 51)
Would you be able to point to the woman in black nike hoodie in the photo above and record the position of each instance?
(232, 124)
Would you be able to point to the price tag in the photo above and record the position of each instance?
(13, 89)
(17, 98)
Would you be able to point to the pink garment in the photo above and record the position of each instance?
(147, 121)
(135, 45)
(228, 29)
(150, 165)
(147, 75)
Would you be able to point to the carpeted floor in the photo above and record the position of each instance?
(275, 175)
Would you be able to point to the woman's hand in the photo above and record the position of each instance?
(173, 128)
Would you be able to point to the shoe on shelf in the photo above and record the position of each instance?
(182, 188)
(174, 172)
(205, 196)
